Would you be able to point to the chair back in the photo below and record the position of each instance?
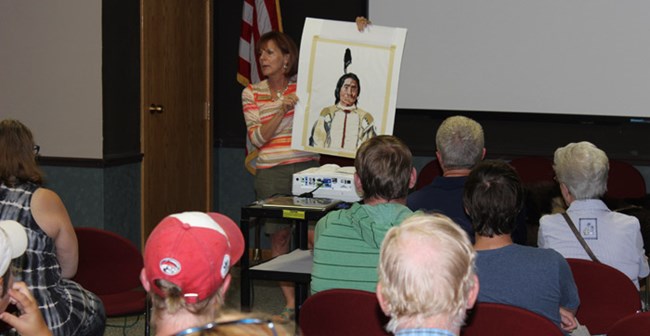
(606, 295)
(429, 172)
(109, 266)
(624, 181)
(631, 325)
(342, 312)
(533, 169)
(488, 319)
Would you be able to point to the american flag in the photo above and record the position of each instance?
(259, 17)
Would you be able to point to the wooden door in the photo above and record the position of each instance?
(176, 98)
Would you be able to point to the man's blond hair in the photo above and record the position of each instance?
(426, 270)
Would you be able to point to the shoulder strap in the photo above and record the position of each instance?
(580, 239)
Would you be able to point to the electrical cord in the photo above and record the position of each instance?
(310, 194)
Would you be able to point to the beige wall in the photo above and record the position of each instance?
(587, 57)
(51, 75)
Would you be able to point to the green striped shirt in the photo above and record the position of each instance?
(347, 242)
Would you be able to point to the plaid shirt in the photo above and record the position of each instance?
(68, 309)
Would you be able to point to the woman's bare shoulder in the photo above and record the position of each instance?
(49, 211)
(44, 197)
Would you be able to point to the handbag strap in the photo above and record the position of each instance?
(580, 239)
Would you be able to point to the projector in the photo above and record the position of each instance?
(327, 181)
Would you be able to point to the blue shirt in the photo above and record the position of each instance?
(445, 195)
(535, 279)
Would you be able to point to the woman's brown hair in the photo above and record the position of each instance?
(287, 47)
(17, 158)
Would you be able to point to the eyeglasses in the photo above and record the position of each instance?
(216, 325)
(37, 149)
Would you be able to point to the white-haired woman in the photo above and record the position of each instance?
(615, 239)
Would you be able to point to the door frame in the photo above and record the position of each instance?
(208, 114)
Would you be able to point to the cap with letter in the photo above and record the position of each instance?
(194, 251)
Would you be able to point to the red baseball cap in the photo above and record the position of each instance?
(194, 251)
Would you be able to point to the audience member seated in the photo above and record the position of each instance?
(542, 198)
(426, 276)
(460, 145)
(187, 261)
(347, 242)
(52, 254)
(14, 295)
(539, 280)
(615, 238)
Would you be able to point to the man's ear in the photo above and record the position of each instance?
(382, 302)
(413, 179)
(473, 293)
(145, 281)
(439, 157)
(224, 286)
(483, 155)
(357, 184)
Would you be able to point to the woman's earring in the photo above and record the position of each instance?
(285, 67)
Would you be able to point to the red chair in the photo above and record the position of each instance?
(631, 325)
(606, 295)
(624, 181)
(533, 169)
(429, 172)
(109, 266)
(487, 319)
(342, 312)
